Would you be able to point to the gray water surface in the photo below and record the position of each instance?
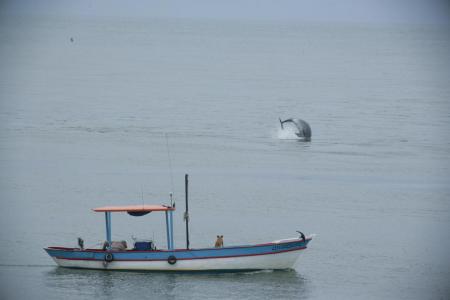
(84, 124)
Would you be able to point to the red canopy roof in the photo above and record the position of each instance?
(134, 208)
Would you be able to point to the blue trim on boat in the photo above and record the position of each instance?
(181, 254)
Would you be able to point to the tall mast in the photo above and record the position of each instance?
(186, 213)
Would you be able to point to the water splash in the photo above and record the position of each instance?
(288, 133)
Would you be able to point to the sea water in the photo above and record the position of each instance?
(83, 124)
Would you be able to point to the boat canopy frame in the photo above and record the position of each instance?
(138, 210)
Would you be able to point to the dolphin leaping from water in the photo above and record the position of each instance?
(304, 130)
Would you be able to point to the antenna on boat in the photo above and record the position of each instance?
(186, 213)
(142, 196)
(170, 168)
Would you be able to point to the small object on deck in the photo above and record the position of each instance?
(81, 243)
(115, 245)
(219, 241)
(119, 245)
(105, 245)
(144, 245)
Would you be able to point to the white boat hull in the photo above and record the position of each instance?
(284, 260)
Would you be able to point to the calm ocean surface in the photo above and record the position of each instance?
(83, 125)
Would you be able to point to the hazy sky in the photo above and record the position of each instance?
(374, 11)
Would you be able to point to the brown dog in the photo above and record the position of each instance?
(219, 241)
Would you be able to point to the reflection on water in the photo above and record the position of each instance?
(120, 284)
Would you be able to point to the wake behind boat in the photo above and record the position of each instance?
(280, 254)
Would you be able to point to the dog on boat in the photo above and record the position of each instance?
(219, 241)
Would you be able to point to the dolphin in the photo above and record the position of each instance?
(304, 130)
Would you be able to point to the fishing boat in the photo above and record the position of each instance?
(280, 254)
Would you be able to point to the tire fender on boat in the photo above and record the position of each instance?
(172, 260)
(109, 257)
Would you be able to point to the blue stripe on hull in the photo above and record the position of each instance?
(180, 254)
